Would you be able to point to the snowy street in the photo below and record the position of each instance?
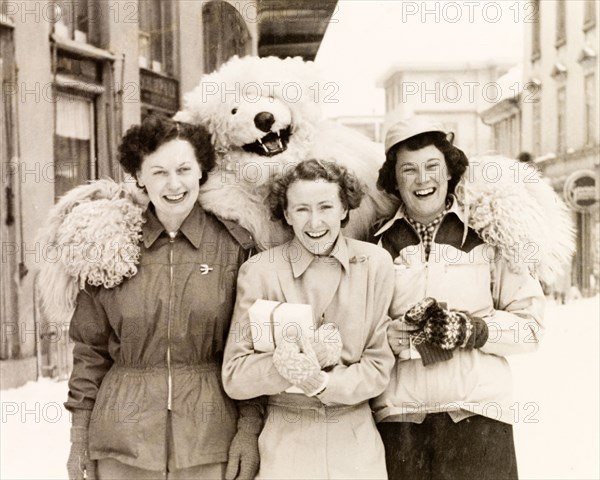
(556, 408)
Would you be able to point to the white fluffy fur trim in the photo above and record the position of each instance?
(514, 209)
(91, 236)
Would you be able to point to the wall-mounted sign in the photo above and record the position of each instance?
(159, 91)
(84, 69)
(581, 190)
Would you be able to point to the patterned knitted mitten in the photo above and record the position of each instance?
(300, 367)
(327, 344)
(419, 313)
(479, 335)
(449, 330)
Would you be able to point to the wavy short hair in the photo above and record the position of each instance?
(350, 189)
(456, 161)
(156, 130)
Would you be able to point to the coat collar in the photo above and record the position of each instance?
(305, 257)
(191, 228)
(456, 209)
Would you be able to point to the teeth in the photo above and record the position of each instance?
(263, 146)
(427, 191)
(175, 197)
(316, 234)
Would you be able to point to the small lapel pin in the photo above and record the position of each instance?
(204, 269)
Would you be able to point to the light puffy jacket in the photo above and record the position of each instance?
(470, 276)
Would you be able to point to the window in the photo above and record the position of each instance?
(591, 126)
(74, 157)
(561, 22)
(589, 15)
(536, 31)
(561, 111)
(77, 20)
(506, 136)
(537, 127)
(514, 146)
(498, 135)
(156, 36)
(225, 34)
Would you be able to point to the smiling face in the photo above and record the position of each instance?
(422, 179)
(315, 212)
(171, 175)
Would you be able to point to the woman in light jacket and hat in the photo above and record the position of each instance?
(446, 413)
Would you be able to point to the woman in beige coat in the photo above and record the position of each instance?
(326, 430)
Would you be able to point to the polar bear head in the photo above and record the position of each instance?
(258, 109)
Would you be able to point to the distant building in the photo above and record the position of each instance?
(369, 125)
(450, 93)
(75, 75)
(504, 116)
(559, 104)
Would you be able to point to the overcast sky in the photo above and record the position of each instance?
(365, 38)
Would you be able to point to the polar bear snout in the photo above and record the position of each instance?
(264, 121)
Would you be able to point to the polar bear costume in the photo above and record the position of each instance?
(264, 115)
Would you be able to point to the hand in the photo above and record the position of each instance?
(296, 361)
(419, 313)
(79, 464)
(398, 333)
(244, 458)
(452, 329)
(327, 344)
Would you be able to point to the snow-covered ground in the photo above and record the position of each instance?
(557, 396)
(556, 408)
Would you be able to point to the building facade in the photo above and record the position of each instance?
(504, 116)
(75, 75)
(559, 112)
(450, 93)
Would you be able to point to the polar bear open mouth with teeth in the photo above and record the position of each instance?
(271, 144)
(260, 125)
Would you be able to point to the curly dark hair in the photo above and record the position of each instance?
(351, 190)
(456, 160)
(156, 130)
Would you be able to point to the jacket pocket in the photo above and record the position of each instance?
(467, 286)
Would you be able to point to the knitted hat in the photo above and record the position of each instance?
(409, 127)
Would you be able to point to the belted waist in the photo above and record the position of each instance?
(299, 401)
(144, 369)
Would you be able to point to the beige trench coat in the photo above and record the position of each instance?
(332, 435)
